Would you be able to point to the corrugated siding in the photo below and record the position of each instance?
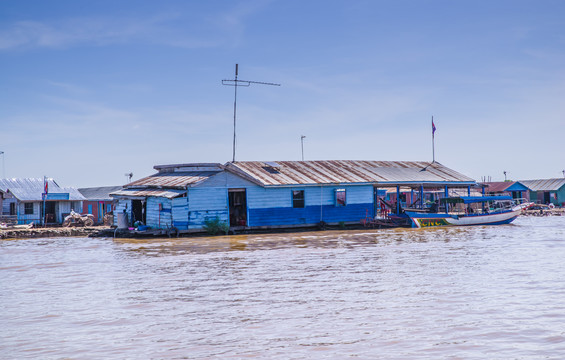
(560, 197)
(155, 218)
(121, 205)
(273, 206)
(180, 213)
(26, 219)
(206, 203)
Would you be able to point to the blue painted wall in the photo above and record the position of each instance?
(273, 206)
(206, 203)
(155, 218)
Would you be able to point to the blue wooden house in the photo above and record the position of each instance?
(24, 199)
(511, 188)
(256, 195)
(547, 191)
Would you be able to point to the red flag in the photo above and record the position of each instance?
(46, 190)
(433, 127)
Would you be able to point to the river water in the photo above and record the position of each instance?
(448, 293)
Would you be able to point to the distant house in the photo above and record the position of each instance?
(24, 198)
(511, 188)
(98, 201)
(254, 194)
(546, 191)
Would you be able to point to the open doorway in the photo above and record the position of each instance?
(138, 210)
(50, 212)
(237, 207)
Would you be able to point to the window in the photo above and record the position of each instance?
(89, 208)
(297, 198)
(28, 208)
(13, 209)
(340, 198)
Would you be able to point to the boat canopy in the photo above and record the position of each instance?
(474, 199)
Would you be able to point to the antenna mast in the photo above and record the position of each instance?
(235, 83)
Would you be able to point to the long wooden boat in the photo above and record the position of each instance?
(466, 211)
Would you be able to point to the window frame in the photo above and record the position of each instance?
(28, 210)
(337, 197)
(298, 202)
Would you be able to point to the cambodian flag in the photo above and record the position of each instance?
(433, 127)
(46, 188)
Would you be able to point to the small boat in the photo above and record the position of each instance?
(466, 211)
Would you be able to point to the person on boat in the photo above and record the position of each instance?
(470, 209)
(433, 207)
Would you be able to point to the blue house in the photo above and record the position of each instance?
(284, 194)
(547, 191)
(511, 188)
(23, 199)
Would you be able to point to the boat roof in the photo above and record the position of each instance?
(475, 199)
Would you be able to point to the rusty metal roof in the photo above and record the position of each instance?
(171, 193)
(544, 184)
(347, 172)
(171, 180)
(498, 186)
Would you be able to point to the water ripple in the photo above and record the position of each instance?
(451, 293)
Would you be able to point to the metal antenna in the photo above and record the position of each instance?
(129, 176)
(235, 83)
(3, 164)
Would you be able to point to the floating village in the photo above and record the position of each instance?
(255, 196)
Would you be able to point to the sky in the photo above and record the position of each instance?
(93, 90)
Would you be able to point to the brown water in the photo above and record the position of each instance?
(450, 293)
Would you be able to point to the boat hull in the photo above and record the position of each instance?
(422, 220)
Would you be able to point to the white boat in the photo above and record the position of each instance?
(466, 211)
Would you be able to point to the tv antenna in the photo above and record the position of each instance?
(235, 83)
(129, 176)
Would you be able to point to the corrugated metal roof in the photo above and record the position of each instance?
(99, 193)
(544, 184)
(172, 180)
(31, 189)
(346, 172)
(498, 186)
(147, 192)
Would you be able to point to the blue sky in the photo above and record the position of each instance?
(92, 90)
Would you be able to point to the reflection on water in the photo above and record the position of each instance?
(457, 293)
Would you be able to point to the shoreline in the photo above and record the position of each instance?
(106, 231)
(43, 232)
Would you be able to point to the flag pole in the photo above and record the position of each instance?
(44, 198)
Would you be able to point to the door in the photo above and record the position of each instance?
(50, 212)
(237, 199)
(138, 211)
